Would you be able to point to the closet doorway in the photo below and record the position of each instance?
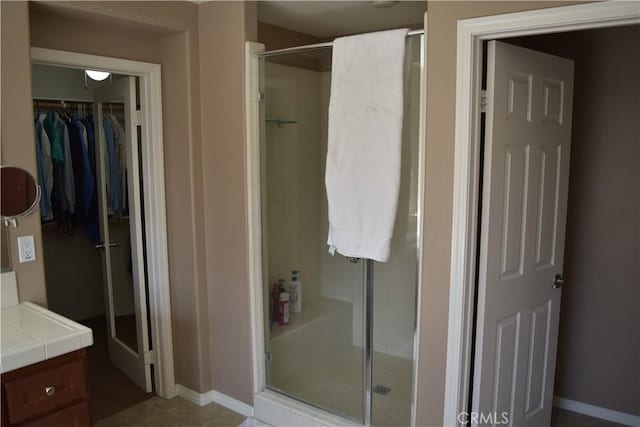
(99, 173)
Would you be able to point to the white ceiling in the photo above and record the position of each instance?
(324, 19)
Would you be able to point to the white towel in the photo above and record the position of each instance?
(364, 143)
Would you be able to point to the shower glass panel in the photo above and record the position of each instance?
(321, 347)
(394, 282)
(319, 357)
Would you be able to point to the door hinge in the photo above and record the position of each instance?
(267, 357)
(261, 96)
(150, 357)
(484, 102)
(138, 117)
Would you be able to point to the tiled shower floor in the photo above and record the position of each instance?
(337, 385)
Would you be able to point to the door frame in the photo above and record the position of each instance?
(154, 197)
(470, 35)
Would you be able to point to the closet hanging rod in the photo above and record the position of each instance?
(50, 103)
(316, 46)
(65, 100)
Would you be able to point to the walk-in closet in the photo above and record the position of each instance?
(91, 214)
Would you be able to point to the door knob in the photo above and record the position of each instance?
(558, 281)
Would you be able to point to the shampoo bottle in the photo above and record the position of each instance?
(296, 292)
(283, 309)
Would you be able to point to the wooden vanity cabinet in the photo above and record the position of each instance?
(52, 393)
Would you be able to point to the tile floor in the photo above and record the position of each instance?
(157, 412)
(176, 412)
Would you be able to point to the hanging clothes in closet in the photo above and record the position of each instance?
(66, 163)
(117, 163)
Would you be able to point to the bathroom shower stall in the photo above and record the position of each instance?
(348, 348)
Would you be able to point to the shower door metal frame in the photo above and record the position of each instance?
(368, 342)
(255, 51)
(323, 45)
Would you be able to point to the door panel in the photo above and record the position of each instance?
(548, 194)
(515, 187)
(121, 229)
(526, 171)
(537, 360)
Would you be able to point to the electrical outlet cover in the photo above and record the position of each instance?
(26, 249)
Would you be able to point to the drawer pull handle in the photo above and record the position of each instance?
(50, 390)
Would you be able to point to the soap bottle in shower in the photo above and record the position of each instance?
(274, 308)
(295, 290)
(283, 309)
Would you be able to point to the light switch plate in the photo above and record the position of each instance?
(26, 249)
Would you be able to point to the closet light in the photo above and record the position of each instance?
(97, 75)
(383, 4)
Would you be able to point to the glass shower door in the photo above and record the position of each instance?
(349, 350)
(316, 354)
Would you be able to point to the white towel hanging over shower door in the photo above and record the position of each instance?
(364, 143)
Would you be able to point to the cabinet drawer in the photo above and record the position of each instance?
(73, 416)
(45, 391)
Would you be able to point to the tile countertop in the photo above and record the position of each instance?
(31, 334)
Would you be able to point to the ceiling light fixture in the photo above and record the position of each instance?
(97, 75)
(383, 4)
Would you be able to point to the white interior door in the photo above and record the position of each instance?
(524, 205)
(121, 227)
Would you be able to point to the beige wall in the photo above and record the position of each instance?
(18, 146)
(441, 89)
(163, 32)
(204, 163)
(60, 32)
(599, 345)
(599, 342)
(274, 37)
(224, 28)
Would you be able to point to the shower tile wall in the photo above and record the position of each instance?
(297, 210)
(395, 281)
(293, 150)
(395, 290)
(339, 280)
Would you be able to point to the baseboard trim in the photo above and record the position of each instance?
(596, 411)
(221, 399)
